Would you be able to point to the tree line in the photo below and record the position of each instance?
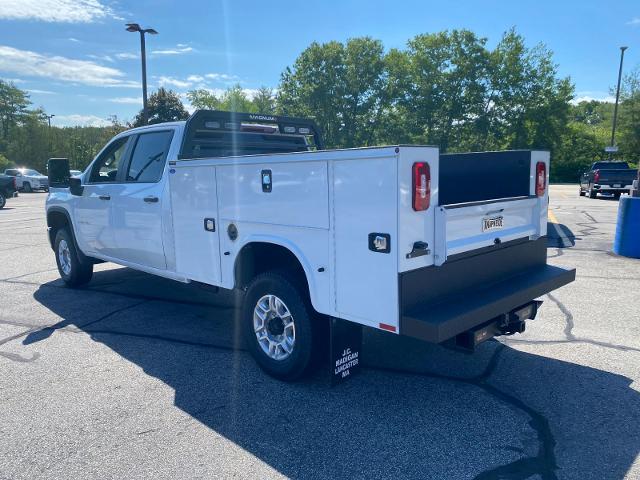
(447, 89)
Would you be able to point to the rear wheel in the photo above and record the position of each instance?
(593, 193)
(3, 200)
(582, 192)
(73, 270)
(617, 195)
(277, 325)
(27, 187)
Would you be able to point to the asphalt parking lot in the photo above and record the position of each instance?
(141, 377)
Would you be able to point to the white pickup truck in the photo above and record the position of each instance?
(444, 248)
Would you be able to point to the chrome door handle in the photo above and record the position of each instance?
(151, 199)
(105, 197)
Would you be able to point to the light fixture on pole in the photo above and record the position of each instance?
(134, 27)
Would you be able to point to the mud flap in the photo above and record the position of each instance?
(345, 350)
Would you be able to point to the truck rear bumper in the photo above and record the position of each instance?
(478, 288)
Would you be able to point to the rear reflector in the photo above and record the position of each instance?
(421, 186)
(390, 328)
(541, 178)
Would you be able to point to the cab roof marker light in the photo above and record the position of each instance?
(304, 131)
(212, 124)
(289, 129)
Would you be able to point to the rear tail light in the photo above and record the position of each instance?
(421, 186)
(541, 178)
(596, 176)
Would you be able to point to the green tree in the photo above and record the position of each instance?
(264, 101)
(629, 121)
(13, 105)
(4, 163)
(203, 99)
(340, 85)
(163, 106)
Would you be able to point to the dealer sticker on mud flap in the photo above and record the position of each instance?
(493, 223)
(346, 344)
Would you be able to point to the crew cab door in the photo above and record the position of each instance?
(137, 208)
(92, 210)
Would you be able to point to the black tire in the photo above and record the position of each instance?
(593, 193)
(617, 195)
(582, 193)
(3, 201)
(26, 186)
(300, 360)
(81, 270)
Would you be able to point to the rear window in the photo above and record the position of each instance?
(610, 166)
(13, 173)
(227, 144)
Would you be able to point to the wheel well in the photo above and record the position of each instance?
(55, 221)
(259, 257)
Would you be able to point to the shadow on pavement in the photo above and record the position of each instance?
(559, 236)
(500, 413)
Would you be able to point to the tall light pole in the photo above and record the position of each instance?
(615, 109)
(48, 117)
(134, 27)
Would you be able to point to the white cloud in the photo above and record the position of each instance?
(41, 92)
(126, 56)
(27, 63)
(195, 78)
(222, 77)
(106, 58)
(80, 120)
(75, 40)
(174, 82)
(68, 11)
(634, 21)
(179, 50)
(127, 100)
(591, 96)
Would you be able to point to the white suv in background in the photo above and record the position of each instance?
(28, 180)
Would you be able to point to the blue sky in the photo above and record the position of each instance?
(78, 62)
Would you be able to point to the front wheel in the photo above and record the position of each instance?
(582, 193)
(27, 187)
(593, 193)
(72, 269)
(3, 201)
(277, 325)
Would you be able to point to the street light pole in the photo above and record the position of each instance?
(615, 109)
(134, 27)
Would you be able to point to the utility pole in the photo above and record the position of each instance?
(613, 148)
(134, 27)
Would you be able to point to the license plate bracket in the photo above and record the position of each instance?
(492, 223)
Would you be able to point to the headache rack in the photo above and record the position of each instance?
(213, 133)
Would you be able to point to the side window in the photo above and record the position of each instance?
(106, 167)
(149, 155)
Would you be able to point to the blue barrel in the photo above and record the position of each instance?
(627, 241)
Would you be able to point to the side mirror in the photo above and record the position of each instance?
(58, 172)
(75, 186)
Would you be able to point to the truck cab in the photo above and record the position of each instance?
(444, 248)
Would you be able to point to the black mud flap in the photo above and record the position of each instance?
(345, 350)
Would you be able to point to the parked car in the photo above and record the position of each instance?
(28, 179)
(443, 248)
(8, 189)
(614, 178)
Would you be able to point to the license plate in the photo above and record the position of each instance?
(617, 185)
(493, 223)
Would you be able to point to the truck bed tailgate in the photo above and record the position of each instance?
(441, 302)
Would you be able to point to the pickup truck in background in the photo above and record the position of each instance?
(613, 178)
(444, 248)
(8, 189)
(28, 179)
